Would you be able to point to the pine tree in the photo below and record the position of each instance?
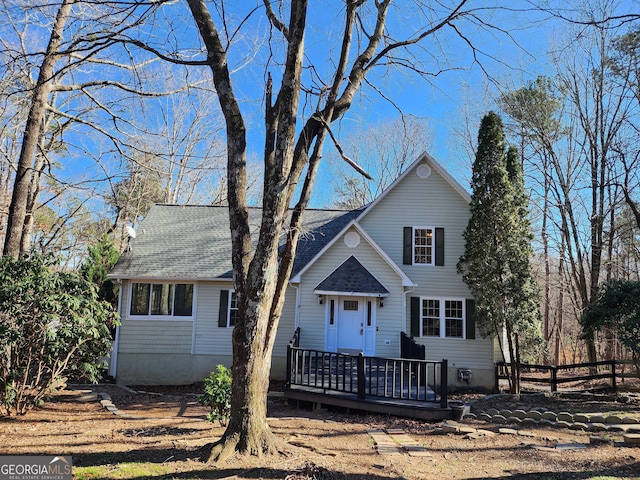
(496, 261)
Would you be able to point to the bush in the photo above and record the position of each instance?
(52, 327)
(217, 395)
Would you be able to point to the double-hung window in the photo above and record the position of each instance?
(442, 318)
(423, 246)
(228, 312)
(162, 299)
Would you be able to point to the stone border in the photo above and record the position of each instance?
(629, 427)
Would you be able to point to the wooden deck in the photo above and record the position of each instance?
(402, 387)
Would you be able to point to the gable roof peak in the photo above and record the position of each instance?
(424, 158)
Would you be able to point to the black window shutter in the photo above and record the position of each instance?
(470, 320)
(407, 246)
(415, 316)
(440, 246)
(223, 310)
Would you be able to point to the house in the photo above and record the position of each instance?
(360, 278)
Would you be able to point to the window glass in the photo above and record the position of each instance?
(431, 318)
(233, 309)
(351, 305)
(161, 299)
(423, 246)
(140, 299)
(453, 318)
(332, 308)
(183, 305)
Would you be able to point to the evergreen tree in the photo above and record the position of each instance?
(496, 261)
(102, 258)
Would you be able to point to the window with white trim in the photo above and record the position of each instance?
(232, 315)
(422, 246)
(162, 299)
(442, 318)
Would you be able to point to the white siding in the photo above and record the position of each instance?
(388, 318)
(432, 202)
(211, 339)
(424, 202)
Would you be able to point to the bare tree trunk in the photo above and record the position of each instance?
(32, 133)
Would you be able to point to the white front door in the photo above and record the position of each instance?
(350, 323)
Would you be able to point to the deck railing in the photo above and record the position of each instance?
(389, 378)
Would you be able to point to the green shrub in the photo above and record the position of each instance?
(52, 327)
(217, 395)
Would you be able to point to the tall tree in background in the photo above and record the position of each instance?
(496, 261)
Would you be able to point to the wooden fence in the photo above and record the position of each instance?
(557, 375)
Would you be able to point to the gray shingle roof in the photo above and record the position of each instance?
(351, 276)
(194, 241)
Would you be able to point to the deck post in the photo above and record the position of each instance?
(288, 374)
(554, 378)
(444, 367)
(361, 377)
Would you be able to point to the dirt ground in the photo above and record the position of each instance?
(171, 437)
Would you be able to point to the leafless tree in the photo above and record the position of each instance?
(75, 83)
(384, 150)
(305, 91)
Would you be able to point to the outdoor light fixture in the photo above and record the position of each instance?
(380, 302)
(320, 298)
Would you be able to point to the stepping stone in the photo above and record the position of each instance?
(562, 424)
(633, 429)
(467, 430)
(581, 418)
(529, 421)
(630, 421)
(505, 413)
(469, 416)
(87, 397)
(570, 446)
(384, 444)
(615, 419)
(546, 423)
(600, 441)
(597, 419)
(418, 451)
(514, 420)
(549, 416)
(104, 403)
(507, 431)
(492, 411)
(447, 428)
(544, 448)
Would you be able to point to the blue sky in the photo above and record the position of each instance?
(463, 94)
